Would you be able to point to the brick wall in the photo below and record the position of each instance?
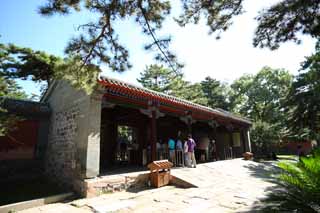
(61, 161)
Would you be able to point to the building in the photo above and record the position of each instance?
(85, 131)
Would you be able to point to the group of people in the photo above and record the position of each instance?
(187, 148)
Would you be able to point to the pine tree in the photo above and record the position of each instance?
(216, 93)
(24, 63)
(8, 89)
(303, 100)
(161, 79)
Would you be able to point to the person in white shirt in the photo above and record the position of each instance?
(186, 156)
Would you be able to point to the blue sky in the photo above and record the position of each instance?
(225, 59)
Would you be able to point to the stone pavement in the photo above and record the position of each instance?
(223, 186)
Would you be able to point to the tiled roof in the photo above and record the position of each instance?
(25, 107)
(153, 95)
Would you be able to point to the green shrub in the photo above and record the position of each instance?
(302, 179)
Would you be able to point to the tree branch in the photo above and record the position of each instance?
(156, 41)
(95, 41)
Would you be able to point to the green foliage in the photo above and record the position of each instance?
(126, 134)
(78, 75)
(260, 96)
(286, 21)
(25, 63)
(9, 89)
(193, 93)
(216, 93)
(7, 122)
(264, 137)
(303, 100)
(218, 14)
(167, 81)
(303, 179)
(99, 41)
(281, 22)
(159, 78)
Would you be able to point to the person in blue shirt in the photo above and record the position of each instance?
(172, 146)
(179, 145)
(179, 152)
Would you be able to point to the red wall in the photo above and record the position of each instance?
(20, 143)
(305, 147)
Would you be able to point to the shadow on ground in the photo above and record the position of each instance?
(24, 190)
(278, 198)
(266, 170)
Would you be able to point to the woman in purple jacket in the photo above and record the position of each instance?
(191, 145)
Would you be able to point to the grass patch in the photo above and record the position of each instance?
(287, 157)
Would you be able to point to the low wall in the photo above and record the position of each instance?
(34, 203)
(111, 183)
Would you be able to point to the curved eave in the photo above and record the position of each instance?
(171, 100)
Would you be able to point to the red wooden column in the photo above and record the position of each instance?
(189, 126)
(231, 143)
(153, 135)
(243, 142)
(153, 113)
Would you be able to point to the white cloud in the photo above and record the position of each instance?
(225, 59)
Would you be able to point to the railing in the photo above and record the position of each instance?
(178, 159)
(228, 153)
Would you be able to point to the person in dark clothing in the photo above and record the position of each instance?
(274, 156)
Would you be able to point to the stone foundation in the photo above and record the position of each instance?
(111, 183)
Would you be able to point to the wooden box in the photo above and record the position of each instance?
(247, 155)
(160, 173)
(159, 179)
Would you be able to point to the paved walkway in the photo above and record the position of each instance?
(223, 186)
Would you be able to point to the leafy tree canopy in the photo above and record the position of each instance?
(193, 93)
(265, 137)
(260, 96)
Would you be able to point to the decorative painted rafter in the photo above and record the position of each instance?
(141, 96)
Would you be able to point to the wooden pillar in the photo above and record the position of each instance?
(153, 136)
(189, 126)
(231, 145)
(231, 139)
(215, 138)
(189, 121)
(243, 141)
